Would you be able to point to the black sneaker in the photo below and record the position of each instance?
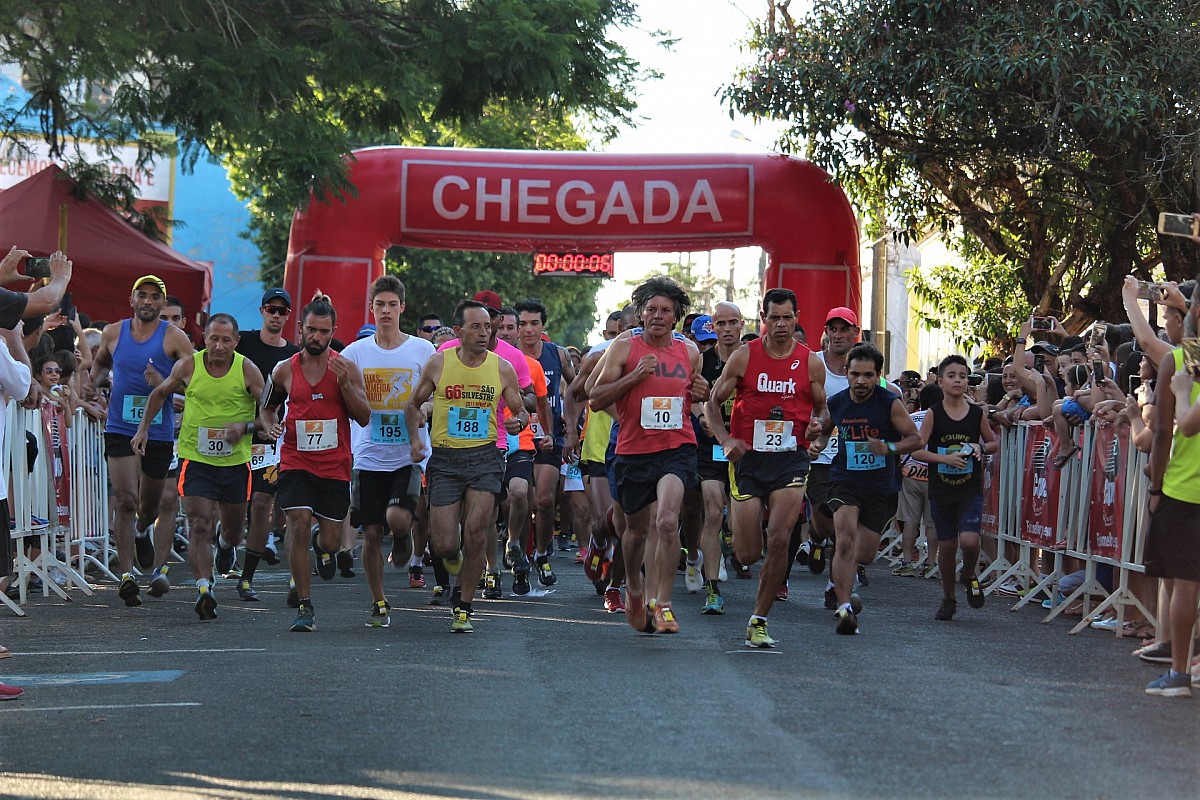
(345, 563)
(305, 620)
(862, 576)
(743, 572)
(293, 598)
(974, 592)
(514, 554)
(160, 584)
(226, 560)
(521, 583)
(325, 562)
(401, 550)
(1157, 653)
(438, 597)
(546, 576)
(847, 622)
(491, 586)
(129, 592)
(816, 558)
(246, 592)
(855, 603)
(802, 555)
(945, 612)
(143, 547)
(831, 599)
(206, 604)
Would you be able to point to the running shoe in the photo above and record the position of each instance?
(10, 692)
(401, 550)
(945, 612)
(454, 563)
(520, 584)
(804, 554)
(461, 622)
(906, 569)
(635, 611)
(714, 603)
(847, 621)
(1156, 653)
(756, 635)
(416, 578)
(593, 562)
(546, 576)
(491, 586)
(515, 556)
(326, 563)
(143, 547)
(831, 599)
(246, 592)
(781, 594)
(438, 597)
(128, 591)
(664, 619)
(226, 559)
(1171, 685)
(926, 570)
(974, 592)
(380, 615)
(293, 597)
(305, 620)
(862, 576)
(722, 573)
(855, 603)
(816, 558)
(693, 574)
(600, 586)
(743, 572)
(271, 554)
(613, 603)
(206, 604)
(345, 563)
(160, 584)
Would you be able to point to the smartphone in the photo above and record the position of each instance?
(1099, 332)
(1149, 291)
(66, 308)
(37, 267)
(1177, 224)
(1191, 355)
(1097, 373)
(1042, 324)
(975, 379)
(1039, 361)
(1135, 383)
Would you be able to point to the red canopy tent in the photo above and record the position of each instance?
(108, 253)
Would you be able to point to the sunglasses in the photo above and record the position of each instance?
(430, 328)
(279, 311)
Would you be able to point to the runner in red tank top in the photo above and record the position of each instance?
(324, 392)
(780, 406)
(649, 380)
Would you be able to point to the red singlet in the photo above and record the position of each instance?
(772, 389)
(654, 413)
(316, 430)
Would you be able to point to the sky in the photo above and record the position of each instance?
(682, 113)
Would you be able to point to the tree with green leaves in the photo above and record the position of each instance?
(1050, 134)
(281, 90)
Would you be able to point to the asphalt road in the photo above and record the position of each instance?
(552, 697)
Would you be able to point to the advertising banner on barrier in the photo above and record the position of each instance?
(1107, 507)
(1039, 504)
(990, 520)
(55, 427)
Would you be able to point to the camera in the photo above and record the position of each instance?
(37, 267)
(910, 383)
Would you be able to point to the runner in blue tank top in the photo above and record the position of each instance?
(873, 429)
(139, 352)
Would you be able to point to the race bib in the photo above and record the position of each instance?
(860, 457)
(134, 408)
(773, 435)
(572, 477)
(263, 456)
(388, 427)
(947, 469)
(470, 424)
(535, 427)
(512, 442)
(315, 435)
(719, 453)
(662, 413)
(211, 442)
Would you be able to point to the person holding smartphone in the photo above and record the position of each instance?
(15, 306)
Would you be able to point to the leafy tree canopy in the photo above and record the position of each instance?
(1053, 133)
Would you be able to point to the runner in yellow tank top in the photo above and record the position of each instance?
(214, 442)
(466, 467)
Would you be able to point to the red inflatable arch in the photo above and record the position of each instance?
(529, 201)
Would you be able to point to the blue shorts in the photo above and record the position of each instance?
(1070, 408)
(954, 514)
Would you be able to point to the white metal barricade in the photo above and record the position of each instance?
(90, 543)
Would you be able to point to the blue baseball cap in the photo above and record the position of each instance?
(702, 329)
(365, 331)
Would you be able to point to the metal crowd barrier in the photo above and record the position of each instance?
(1093, 509)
